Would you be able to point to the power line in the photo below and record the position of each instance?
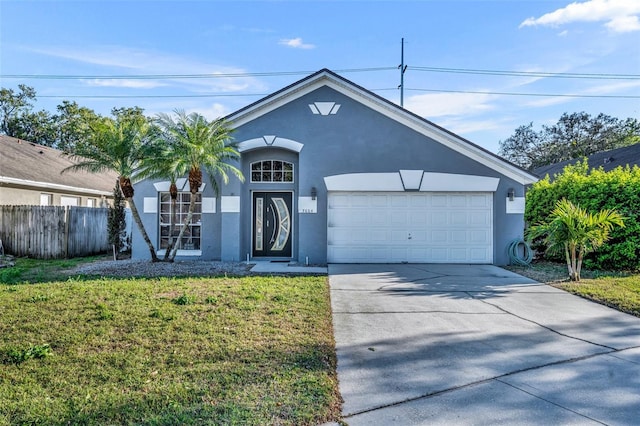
(565, 95)
(221, 95)
(209, 95)
(182, 76)
(598, 76)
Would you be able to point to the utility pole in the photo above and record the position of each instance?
(402, 68)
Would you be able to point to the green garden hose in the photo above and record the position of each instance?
(514, 253)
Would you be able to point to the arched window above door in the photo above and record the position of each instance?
(272, 171)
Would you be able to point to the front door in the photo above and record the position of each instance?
(272, 224)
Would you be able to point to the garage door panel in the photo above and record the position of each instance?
(439, 201)
(439, 237)
(438, 218)
(412, 227)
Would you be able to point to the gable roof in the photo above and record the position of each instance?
(28, 164)
(608, 160)
(330, 79)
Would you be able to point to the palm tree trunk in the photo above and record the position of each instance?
(568, 258)
(185, 224)
(145, 236)
(579, 267)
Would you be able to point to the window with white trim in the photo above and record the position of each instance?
(46, 199)
(272, 171)
(171, 217)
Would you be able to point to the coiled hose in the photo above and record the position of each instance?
(514, 252)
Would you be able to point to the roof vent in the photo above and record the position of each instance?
(41, 152)
(608, 160)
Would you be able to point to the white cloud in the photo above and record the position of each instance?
(129, 84)
(212, 111)
(618, 15)
(449, 104)
(296, 43)
(624, 24)
(618, 88)
(113, 60)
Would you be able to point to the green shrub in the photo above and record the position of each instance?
(595, 190)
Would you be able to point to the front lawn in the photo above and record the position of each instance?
(615, 289)
(250, 351)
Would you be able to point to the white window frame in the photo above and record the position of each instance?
(164, 203)
(272, 171)
(46, 199)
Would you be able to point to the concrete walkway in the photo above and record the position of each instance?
(460, 344)
(267, 267)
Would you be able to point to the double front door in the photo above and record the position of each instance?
(272, 224)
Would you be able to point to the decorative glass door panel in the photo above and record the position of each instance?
(272, 224)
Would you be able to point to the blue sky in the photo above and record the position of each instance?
(268, 45)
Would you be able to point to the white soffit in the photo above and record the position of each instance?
(150, 205)
(208, 205)
(429, 182)
(270, 141)
(390, 110)
(364, 182)
(230, 204)
(180, 183)
(52, 186)
(411, 179)
(432, 182)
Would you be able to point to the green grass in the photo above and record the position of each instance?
(619, 290)
(33, 270)
(223, 351)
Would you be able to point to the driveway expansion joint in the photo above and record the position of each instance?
(487, 380)
(550, 402)
(541, 325)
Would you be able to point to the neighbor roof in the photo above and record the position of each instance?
(28, 164)
(608, 160)
(328, 78)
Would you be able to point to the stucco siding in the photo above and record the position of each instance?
(326, 127)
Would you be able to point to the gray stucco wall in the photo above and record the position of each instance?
(355, 140)
(360, 140)
(211, 223)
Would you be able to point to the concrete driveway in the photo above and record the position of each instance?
(462, 344)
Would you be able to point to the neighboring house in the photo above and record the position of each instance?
(337, 174)
(30, 174)
(608, 160)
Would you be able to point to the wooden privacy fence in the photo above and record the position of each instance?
(53, 232)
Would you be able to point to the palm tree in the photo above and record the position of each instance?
(119, 145)
(195, 144)
(576, 232)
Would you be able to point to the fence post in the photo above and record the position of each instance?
(66, 232)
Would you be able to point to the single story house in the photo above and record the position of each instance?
(30, 174)
(608, 160)
(337, 174)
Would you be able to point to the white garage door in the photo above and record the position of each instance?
(419, 227)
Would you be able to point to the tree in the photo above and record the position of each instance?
(74, 126)
(116, 220)
(13, 105)
(194, 144)
(575, 232)
(574, 136)
(37, 127)
(120, 145)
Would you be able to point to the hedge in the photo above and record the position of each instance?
(595, 190)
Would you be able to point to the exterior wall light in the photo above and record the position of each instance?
(511, 193)
(314, 192)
